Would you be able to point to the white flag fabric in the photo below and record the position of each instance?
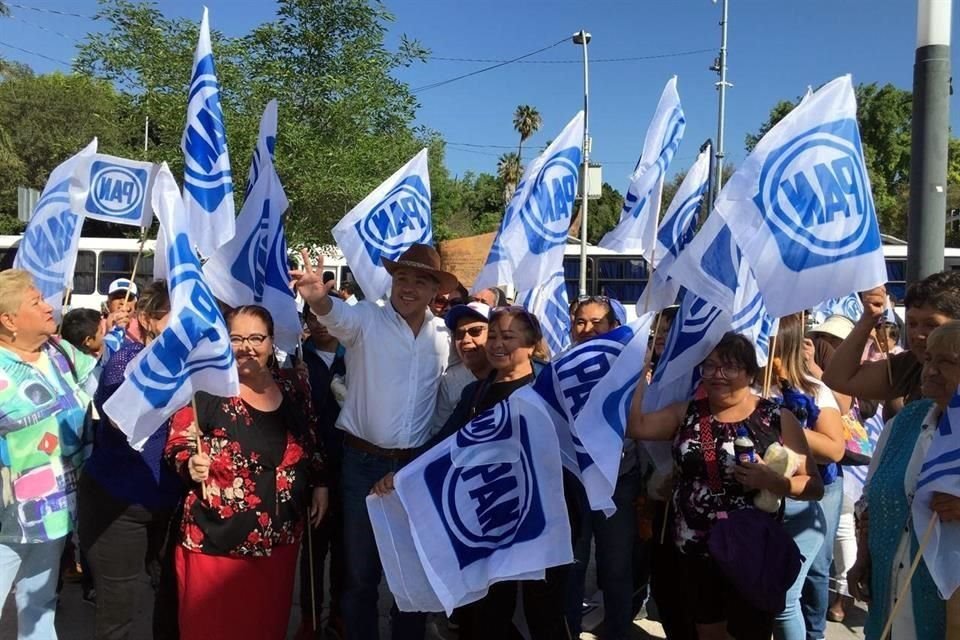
(48, 250)
(549, 303)
(695, 332)
(588, 391)
(395, 216)
(483, 506)
(801, 208)
(709, 266)
(116, 190)
(750, 317)
(192, 353)
(207, 179)
(940, 473)
(637, 229)
(251, 268)
(528, 248)
(676, 231)
(848, 306)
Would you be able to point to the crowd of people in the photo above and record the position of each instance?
(220, 505)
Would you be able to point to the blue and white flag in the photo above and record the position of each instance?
(252, 267)
(940, 473)
(750, 317)
(695, 332)
(801, 208)
(207, 179)
(116, 190)
(849, 306)
(675, 233)
(192, 353)
(528, 248)
(588, 391)
(710, 264)
(636, 232)
(48, 250)
(549, 303)
(483, 506)
(395, 216)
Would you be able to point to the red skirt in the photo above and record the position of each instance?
(229, 597)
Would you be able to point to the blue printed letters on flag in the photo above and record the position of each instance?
(637, 228)
(710, 264)
(48, 250)
(480, 508)
(528, 248)
(395, 216)
(940, 473)
(192, 353)
(207, 180)
(550, 305)
(801, 209)
(251, 268)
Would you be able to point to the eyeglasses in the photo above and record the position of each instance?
(726, 372)
(255, 340)
(473, 332)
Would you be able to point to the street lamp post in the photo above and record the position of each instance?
(929, 140)
(582, 38)
(720, 66)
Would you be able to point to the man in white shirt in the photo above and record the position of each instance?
(395, 356)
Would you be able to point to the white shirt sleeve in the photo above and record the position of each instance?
(825, 398)
(343, 321)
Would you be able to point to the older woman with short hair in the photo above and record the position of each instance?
(887, 541)
(43, 408)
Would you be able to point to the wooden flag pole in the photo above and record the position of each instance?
(906, 585)
(199, 442)
(768, 374)
(649, 357)
(646, 289)
(136, 265)
(881, 333)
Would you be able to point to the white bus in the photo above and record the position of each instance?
(100, 261)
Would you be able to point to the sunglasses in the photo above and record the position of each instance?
(473, 332)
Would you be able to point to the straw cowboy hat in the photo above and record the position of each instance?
(423, 258)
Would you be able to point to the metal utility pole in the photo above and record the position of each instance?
(582, 38)
(930, 136)
(720, 66)
(146, 135)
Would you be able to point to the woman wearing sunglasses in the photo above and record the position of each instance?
(710, 482)
(256, 479)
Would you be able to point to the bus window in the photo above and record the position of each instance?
(897, 279)
(622, 278)
(571, 276)
(6, 258)
(119, 264)
(85, 274)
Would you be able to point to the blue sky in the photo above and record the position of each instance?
(776, 49)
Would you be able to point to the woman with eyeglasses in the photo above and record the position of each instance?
(253, 484)
(128, 497)
(710, 482)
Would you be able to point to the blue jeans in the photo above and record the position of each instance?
(615, 546)
(805, 522)
(363, 569)
(34, 570)
(815, 598)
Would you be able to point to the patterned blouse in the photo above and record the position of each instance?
(262, 467)
(705, 487)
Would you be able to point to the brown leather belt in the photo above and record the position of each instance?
(360, 444)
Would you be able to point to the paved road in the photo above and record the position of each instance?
(75, 620)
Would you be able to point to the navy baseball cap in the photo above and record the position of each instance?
(476, 310)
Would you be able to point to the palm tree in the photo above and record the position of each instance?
(526, 121)
(509, 172)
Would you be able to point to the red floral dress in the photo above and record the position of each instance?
(263, 466)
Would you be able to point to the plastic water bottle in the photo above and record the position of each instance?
(743, 446)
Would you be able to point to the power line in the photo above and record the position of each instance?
(43, 28)
(500, 63)
(34, 53)
(674, 54)
(53, 11)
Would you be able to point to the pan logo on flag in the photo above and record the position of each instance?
(489, 506)
(547, 209)
(814, 192)
(616, 406)
(688, 329)
(116, 191)
(401, 219)
(44, 247)
(682, 225)
(490, 426)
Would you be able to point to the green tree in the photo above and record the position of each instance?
(526, 122)
(603, 213)
(46, 119)
(509, 171)
(345, 122)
